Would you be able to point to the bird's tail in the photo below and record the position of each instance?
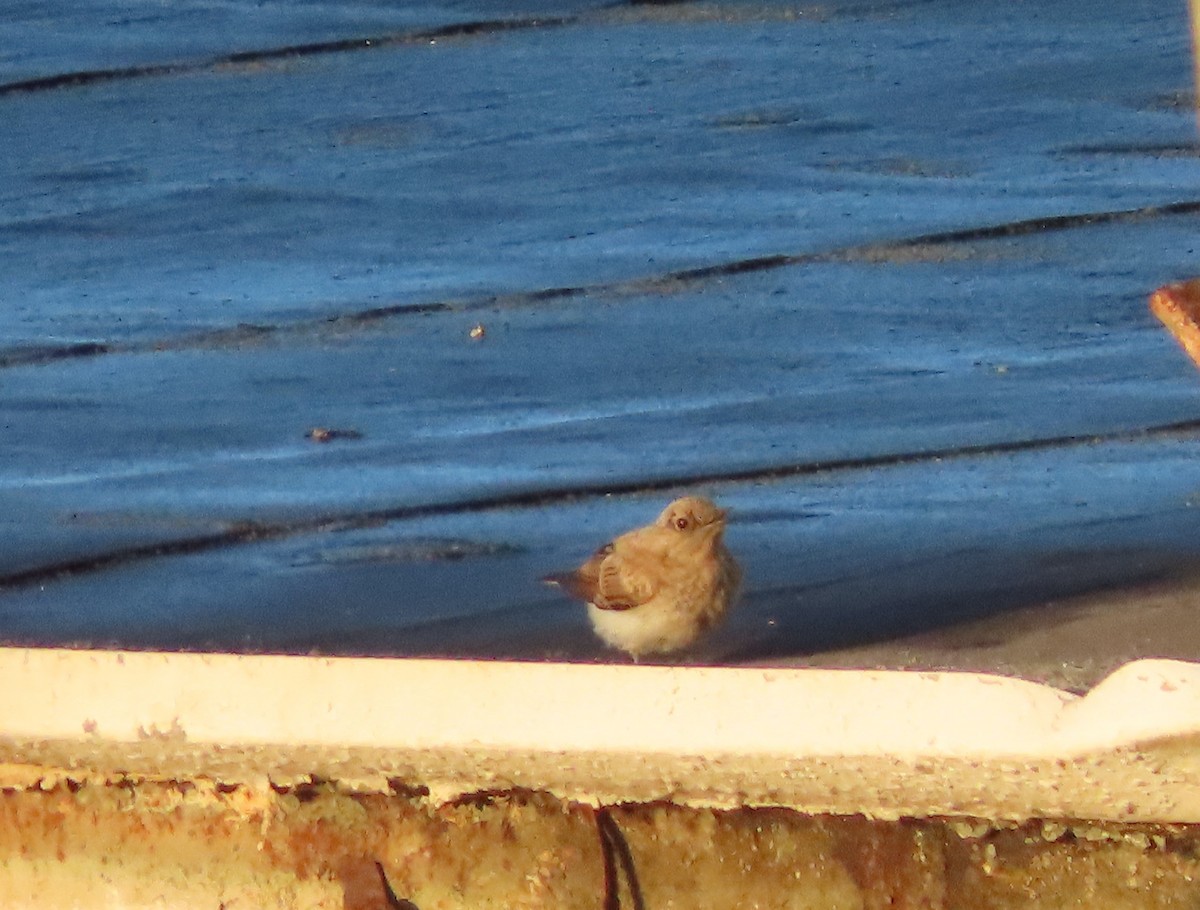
(568, 581)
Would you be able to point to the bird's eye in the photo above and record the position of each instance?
(681, 523)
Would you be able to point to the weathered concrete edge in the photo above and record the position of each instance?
(882, 744)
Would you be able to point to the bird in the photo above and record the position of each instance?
(659, 588)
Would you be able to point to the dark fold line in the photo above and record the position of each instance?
(263, 55)
(1169, 149)
(1049, 224)
(36, 355)
(92, 77)
(45, 353)
(251, 532)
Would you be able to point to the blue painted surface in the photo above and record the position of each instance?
(200, 265)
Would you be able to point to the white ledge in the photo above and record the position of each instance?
(817, 740)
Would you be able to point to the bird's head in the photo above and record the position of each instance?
(693, 515)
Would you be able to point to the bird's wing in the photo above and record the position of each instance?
(623, 583)
(583, 582)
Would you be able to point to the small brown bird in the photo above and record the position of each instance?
(657, 589)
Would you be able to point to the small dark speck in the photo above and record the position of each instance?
(326, 434)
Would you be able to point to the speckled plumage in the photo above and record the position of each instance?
(659, 588)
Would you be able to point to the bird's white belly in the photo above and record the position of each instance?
(652, 628)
